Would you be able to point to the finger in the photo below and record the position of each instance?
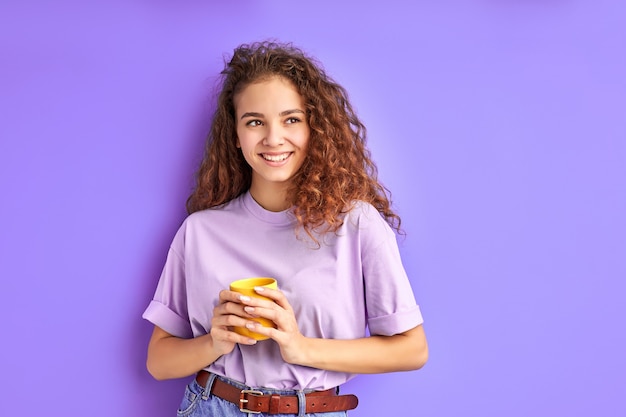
(266, 313)
(230, 314)
(260, 329)
(230, 308)
(231, 296)
(276, 295)
(227, 335)
(284, 321)
(268, 292)
(228, 320)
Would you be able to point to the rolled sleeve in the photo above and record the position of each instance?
(395, 323)
(159, 315)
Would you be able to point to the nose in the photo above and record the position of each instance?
(274, 136)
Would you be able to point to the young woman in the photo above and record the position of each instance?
(287, 190)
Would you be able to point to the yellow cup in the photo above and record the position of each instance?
(246, 287)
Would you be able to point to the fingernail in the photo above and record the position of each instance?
(250, 325)
(248, 309)
(259, 289)
(244, 298)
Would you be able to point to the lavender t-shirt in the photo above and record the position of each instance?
(354, 281)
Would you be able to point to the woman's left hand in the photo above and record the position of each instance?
(404, 351)
(286, 333)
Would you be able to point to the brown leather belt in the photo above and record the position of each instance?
(251, 401)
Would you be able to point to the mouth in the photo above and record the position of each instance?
(276, 157)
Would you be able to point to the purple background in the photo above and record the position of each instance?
(500, 127)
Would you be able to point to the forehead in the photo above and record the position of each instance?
(271, 93)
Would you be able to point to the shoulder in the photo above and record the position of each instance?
(233, 207)
(365, 219)
(365, 213)
(212, 220)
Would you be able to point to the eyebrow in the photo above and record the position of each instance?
(282, 113)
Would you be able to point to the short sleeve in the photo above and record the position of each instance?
(389, 298)
(168, 308)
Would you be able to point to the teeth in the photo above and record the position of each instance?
(275, 158)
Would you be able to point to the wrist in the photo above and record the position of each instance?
(212, 349)
(302, 352)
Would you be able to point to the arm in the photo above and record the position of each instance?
(172, 357)
(376, 354)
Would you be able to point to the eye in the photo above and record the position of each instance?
(291, 120)
(254, 123)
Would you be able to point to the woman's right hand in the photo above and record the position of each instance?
(228, 313)
(174, 357)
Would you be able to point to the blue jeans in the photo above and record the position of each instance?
(198, 403)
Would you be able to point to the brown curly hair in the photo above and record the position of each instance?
(338, 169)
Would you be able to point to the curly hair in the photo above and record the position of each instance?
(337, 170)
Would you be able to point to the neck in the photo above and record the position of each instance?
(271, 198)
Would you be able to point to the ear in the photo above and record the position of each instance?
(237, 144)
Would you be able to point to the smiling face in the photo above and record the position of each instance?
(273, 134)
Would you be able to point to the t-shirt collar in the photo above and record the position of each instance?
(278, 218)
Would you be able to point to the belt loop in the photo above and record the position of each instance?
(209, 384)
(301, 403)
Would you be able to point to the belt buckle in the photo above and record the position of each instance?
(242, 400)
